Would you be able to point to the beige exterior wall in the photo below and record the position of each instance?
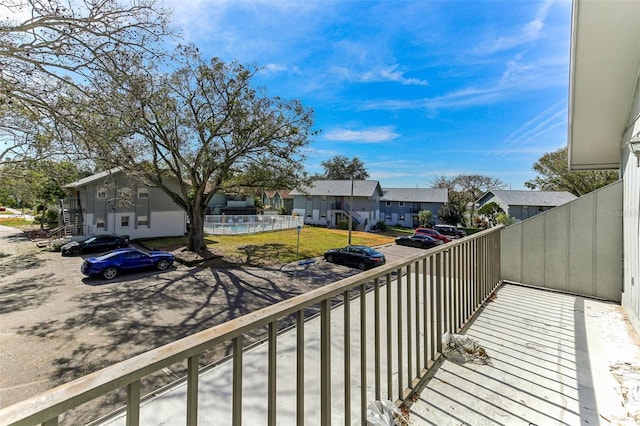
(576, 247)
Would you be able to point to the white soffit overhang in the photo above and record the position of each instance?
(605, 58)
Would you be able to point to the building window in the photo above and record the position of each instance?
(143, 220)
(143, 192)
(401, 203)
(387, 203)
(102, 193)
(124, 221)
(100, 223)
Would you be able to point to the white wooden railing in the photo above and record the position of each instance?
(415, 300)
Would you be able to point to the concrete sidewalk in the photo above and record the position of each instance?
(550, 356)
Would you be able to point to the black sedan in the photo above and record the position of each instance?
(361, 257)
(94, 244)
(419, 241)
(126, 260)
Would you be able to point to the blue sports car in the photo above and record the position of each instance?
(126, 260)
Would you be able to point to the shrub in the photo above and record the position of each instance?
(480, 222)
(282, 210)
(344, 224)
(56, 244)
(52, 217)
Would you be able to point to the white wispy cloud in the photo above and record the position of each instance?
(391, 74)
(274, 68)
(545, 121)
(371, 135)
(529, 32)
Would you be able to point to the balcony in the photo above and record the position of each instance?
(377, 336)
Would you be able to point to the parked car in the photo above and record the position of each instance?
(95, 244)
(450, 231)
(419, 241)
(126, 260)
(432, 233)
(362, 257)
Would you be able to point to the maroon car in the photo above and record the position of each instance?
(432, 233)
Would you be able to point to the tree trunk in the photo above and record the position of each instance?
(196, 230)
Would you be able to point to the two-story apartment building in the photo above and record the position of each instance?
(326, 202)
(525, 204)
(112, 203)
(277, 199)
(400, 206)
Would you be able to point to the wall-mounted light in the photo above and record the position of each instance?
(634, 144)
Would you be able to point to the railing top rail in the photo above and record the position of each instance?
(50, 404)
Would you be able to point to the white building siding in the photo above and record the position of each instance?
(631, 223)
(161, 224)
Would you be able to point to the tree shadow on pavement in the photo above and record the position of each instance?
(116, 322)
(10, 265)
(26, 293)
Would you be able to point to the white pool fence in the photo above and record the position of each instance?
(249, 224)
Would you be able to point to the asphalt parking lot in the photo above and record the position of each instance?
(57, 325)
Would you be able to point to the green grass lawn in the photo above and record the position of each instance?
(278, 246)
(15, 222)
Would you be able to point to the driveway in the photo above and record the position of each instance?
(57, 325)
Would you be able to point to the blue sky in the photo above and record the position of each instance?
(415, 89)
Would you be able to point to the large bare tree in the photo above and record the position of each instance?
(201, 126)
(464, 190)
(48, 47)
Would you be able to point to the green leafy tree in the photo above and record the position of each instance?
(491, 211)
(342, 168)
(37, 182)
(554, 175)
(452, 212)
(505, 219)
(201, 126)
(425, 217)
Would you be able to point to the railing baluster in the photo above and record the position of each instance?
(416, 320)
(449, 285)
(347, 358)
(133, 403)
(376, 337)
(465, 280)
(272, 373)
(325, 362)
(192, 390)
(389, 340)
(457, 262)
(300, 367)
(399, 324)
(51, 422)
(439, 303)
(426, 311)
(237, 382)
(363, 354)
(409, 331)
(432, 305)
